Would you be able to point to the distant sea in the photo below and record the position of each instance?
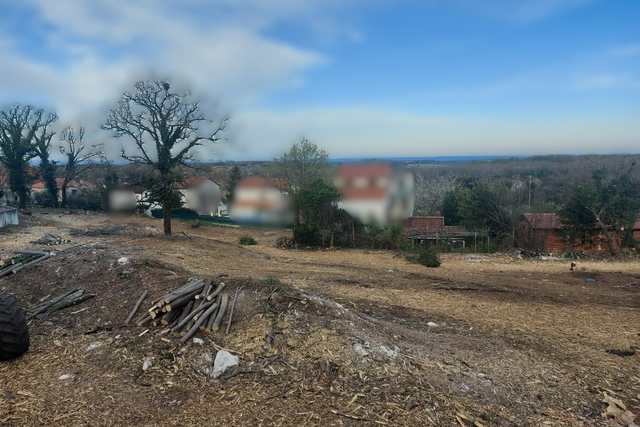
(440, 159)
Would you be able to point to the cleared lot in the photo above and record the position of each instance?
(517, 342)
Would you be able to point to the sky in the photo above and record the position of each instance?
(359, 78)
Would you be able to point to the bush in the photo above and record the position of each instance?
(247, 240)
(427, 256)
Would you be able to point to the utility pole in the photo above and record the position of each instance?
(529, 190)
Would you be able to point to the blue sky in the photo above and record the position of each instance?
(359, 78)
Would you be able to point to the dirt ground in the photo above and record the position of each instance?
(325, 337)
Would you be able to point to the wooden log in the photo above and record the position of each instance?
(54, 300)
(207, 289)
(197, 285)
(185, 311)
(136, 307)
(189, 283)
(69, 302)
(35, 261)
(51, 305)
(223, 308)
(181, 302)
(26, 252)
(233, 306)
(143, 320)
(168, 318)
(197, 324)
(190, 316)
(210, 321)
(8, 270)
(216, 292)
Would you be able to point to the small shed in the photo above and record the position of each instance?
(8, 216)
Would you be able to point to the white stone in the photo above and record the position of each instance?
(94, 345)
(146, 365)
(64, 377)
(123, 260)
(388, 351)
(198, 341)
(360, 350)
(432, 324)
(224, 360)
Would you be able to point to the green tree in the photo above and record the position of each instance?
(20, 126)
(301, 166)
(42, 149)
(234, 178)
(165, 129)
(317, 212)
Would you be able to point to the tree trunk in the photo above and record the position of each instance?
(63, 200)
(22, 194)
(613, 246)
(166, 217)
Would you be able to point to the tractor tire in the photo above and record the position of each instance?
(14, 333)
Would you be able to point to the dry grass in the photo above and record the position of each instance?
(518, 342)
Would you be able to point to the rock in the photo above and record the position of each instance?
(360, 350)
(388, 351)
(432, 324)
(146, 365)
(64, 377)
(224, 360)
(198, 341)
(94, 345)
(123, 260)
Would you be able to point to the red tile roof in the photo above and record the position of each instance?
(364, 170)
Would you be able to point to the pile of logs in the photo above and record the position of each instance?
(198, 305)
(50, 239)
(22, 260)
(72, 297)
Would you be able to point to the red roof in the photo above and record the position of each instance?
(424, 222)
(254, 182)
(363, 170)
(40, 185)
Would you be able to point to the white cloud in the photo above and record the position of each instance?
(103, 46)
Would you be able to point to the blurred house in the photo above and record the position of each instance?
(258, 201)
(377, 193)
(201, 194)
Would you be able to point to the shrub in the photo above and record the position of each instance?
(427, 256)
(247, 240)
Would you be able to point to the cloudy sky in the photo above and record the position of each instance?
(360, 78)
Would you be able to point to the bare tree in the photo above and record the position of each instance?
(430, 193)
(20, 126)
(164, 127)
(301, 166)
(78, 158)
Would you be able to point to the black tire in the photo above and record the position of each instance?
(14, 333)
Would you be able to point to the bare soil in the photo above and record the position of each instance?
(515, 342)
